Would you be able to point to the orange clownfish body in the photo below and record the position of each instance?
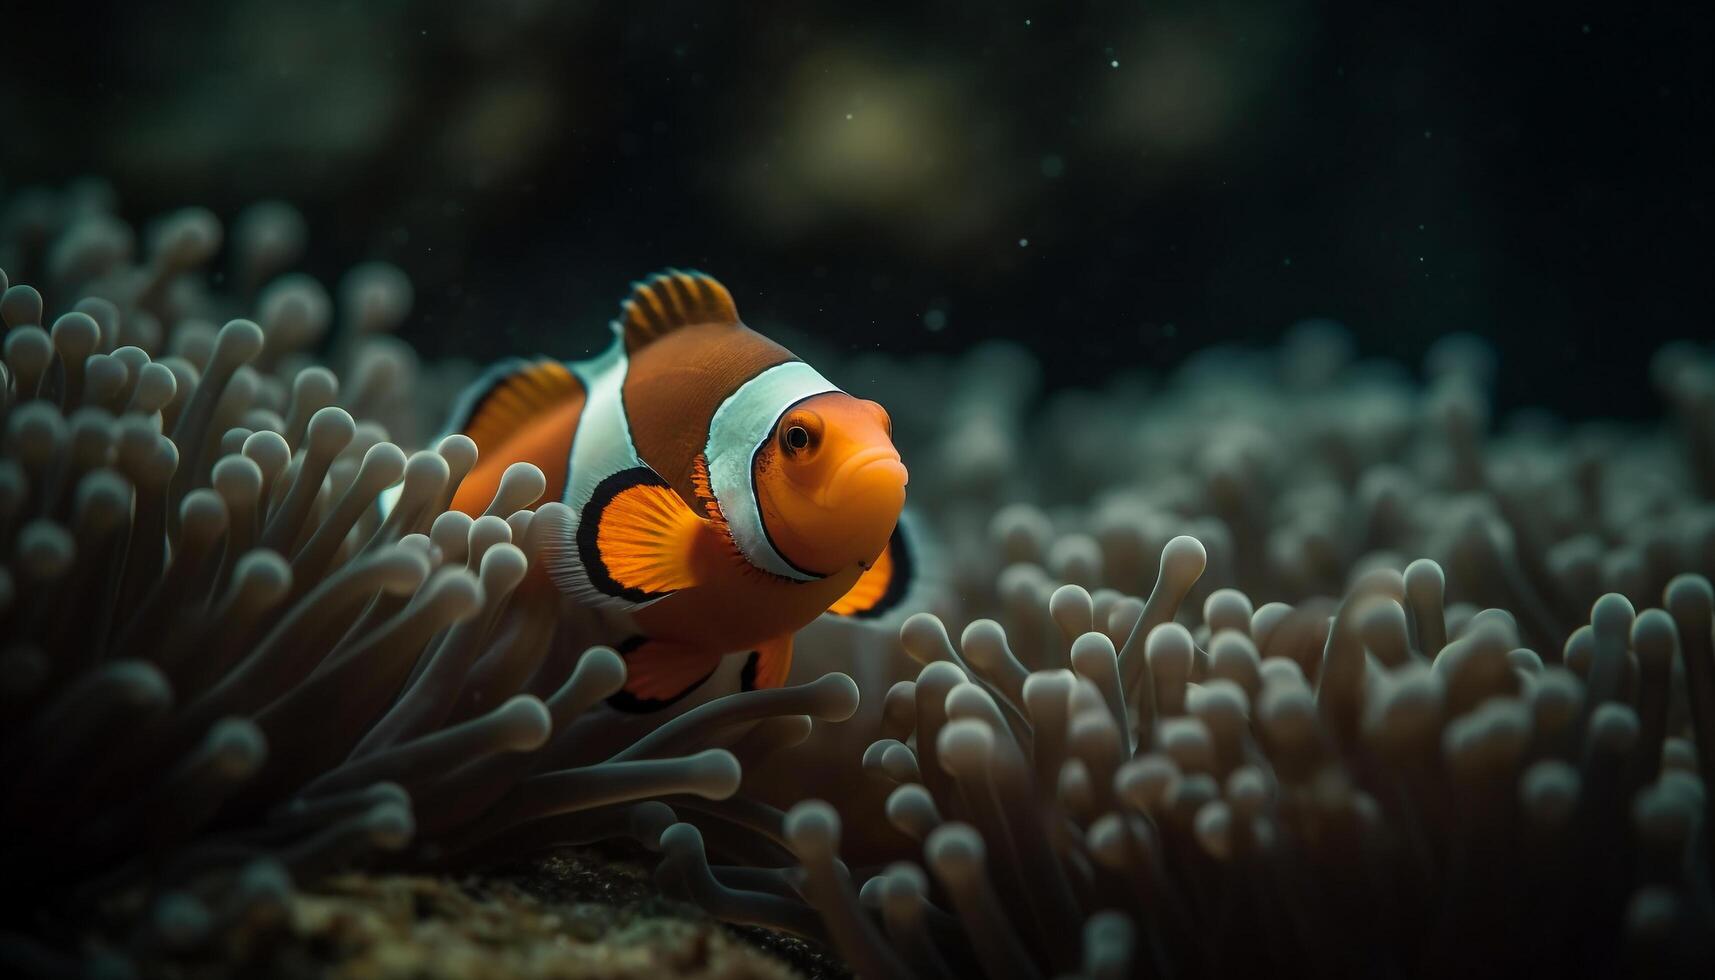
(721, 493)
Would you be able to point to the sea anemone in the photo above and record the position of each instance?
(1283, 661)
(223, 671)
(1453, 743)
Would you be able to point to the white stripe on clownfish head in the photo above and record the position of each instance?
(740, 427)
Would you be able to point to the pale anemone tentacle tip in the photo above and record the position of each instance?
(1282, 639)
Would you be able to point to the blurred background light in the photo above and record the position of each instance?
(1184, 173)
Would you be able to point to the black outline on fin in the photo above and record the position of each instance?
(747, 676)
(628, 703)
(898, 584)
(589, 525)
(499, 375)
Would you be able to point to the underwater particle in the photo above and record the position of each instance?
(1053, 166)
(1024, 243)
(935, 320)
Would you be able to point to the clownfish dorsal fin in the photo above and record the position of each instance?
(510, 395)
(670, 300)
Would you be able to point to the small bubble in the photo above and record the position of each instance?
(1024, 243)
(1027, 22)
(1114, 63)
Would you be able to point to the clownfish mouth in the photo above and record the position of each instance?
(863, 473)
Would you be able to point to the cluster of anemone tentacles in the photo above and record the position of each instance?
(221, 670)
(1441, 738)
(1360, 795)
(1457, 747)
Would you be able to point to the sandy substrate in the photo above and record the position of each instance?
(572, 913)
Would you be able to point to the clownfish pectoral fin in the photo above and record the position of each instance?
(638, 539)
(885, 585)
(768, 665)
(669, 300)
(658, 674)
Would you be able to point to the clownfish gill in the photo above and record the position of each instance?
(720, 493)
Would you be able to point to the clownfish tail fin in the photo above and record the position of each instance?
(670, 300)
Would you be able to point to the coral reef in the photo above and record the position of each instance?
(1282, 662)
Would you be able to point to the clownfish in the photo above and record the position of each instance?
(720, 493)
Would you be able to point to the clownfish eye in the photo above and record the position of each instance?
(800, 433)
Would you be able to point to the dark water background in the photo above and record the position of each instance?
(1106, 183)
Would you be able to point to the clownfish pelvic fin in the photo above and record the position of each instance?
(659, 673)
(769, 665)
